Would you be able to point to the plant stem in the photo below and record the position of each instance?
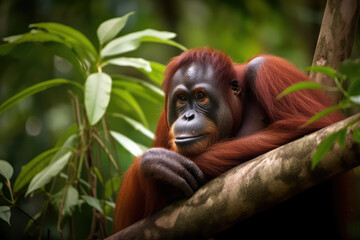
(107, 152)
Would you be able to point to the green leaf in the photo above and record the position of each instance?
(97, 96)
(132, 41)
(54, 43)
(325, 112)
(156, 75)
(121, 47)
(110, 204)
(323, 148)
(33, 90)
(131, 62)
(130, 101)
(139, 87)
(34, 218)
(33, 167)
(110, 28)
(163, 41)
(354, 88)
(5, 213)
(112, 186)
(341, 137)
(324, 70)
(300, 86)
(6, 170)
(76, 39)
(356, 134)
(93, 202)
(70, 202)
(5, 48)
(98, 174)
(127, 143)
(350, 68)
(355, 99)
(32, 36)
(48, 173)
(68, 145)
(138, 126)
(72, 130)
(11, 39)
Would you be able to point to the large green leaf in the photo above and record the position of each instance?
(325, 146)
(356, 134)
(6, 170)
(32, 36)
(131, 146)
(300, 86)
(131, 62)
(138, 126)
(5, 213)
(53, 44)
(33, 90)
(70, 202)
(72, 130)
(354, 88)
(97, 96)
(76, 39)
(139, 87)
(93, 202)
(156, 75)
(355, 99)
(341, 137)
(132, 41)
(68, 145)
(350, 68)
(48, 173)
(341, 105)
(163, 41)
(121, 47)
(110, 28)
(62, 47)
(324, 70)
(129, 100)
(33, 167)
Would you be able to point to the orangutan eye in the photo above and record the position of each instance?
(181, 100)
(202, 98)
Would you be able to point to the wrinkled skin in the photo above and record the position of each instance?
(199, 117)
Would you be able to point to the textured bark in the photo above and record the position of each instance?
(248, 189)
(336, 39)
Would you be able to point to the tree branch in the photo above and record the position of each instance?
(239, 193)
(336, 39)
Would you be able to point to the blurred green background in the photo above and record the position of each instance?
(242, 29)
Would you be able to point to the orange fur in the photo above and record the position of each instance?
(140, 197)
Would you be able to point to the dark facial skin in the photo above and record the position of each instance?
(199, 117)
(195, 105)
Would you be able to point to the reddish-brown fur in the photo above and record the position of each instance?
(140, 197)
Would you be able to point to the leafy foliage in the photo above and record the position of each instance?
(77, 158)
(347, 75)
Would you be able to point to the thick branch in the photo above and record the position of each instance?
(336, 39)
(248, 189)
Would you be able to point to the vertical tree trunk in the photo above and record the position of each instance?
(336, 39)
(335, 42)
